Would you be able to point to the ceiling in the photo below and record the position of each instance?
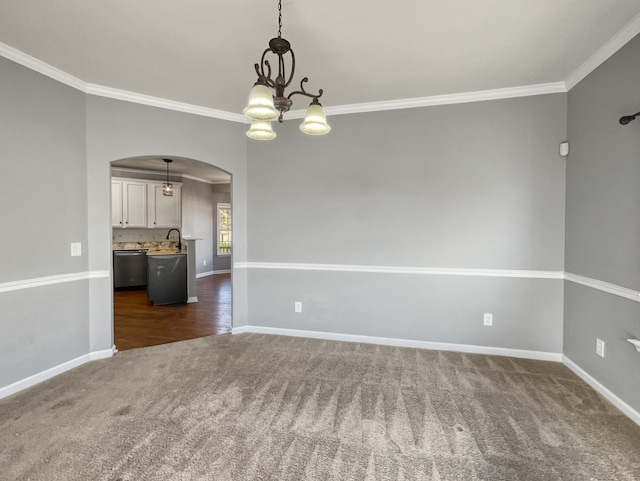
(202, 52)
(179, 167)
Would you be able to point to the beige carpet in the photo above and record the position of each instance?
(259, 407)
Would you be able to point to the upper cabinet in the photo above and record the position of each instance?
(164, 211)
(139, 203)
(116, 204)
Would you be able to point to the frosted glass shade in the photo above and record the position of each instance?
(261, 104)
(261, 130)
(315, 122)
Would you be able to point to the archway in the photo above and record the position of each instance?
(144, 225)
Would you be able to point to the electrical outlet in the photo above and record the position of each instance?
(488, 319)
(204, 262)
(600, 347)
(297, 306)
(76, 249)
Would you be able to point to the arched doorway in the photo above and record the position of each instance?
(145, 229)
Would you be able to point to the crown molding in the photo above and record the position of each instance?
(41, 67)
(199, 179)
(117, 94)
(618, 41)
(127, 170)
(606, 51)
(449, 99)
(100, 91)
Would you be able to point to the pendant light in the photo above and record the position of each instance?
(167, 187)
(267, 100)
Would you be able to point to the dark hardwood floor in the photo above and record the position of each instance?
(139, 324)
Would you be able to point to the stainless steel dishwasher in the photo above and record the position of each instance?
(130, 268)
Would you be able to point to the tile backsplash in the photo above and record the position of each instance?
(141, 235)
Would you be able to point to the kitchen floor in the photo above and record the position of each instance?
(139, 324)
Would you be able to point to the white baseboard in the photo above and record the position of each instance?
(204, 274)
(386, 341)
(192, 299)
(213, 273)
(54, 371)
(608, 395)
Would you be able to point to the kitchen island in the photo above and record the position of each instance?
(167, 278)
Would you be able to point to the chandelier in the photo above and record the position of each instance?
(167, 187)
(265, 105)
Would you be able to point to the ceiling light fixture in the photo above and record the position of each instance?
(167, 187)
(264, 106)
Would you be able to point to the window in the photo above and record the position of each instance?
(224, 229)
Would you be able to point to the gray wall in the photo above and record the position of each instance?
(477, 185)
(603, 225)
(198, 216)
(43, 192)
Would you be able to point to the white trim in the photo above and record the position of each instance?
(41, 67)
(386, 341)
(54, 371)
(192, 299)
(213, 273)
(205, 274)
(599, 57)
(127, 170)
(49, 280)
(206, 181)
(162, 103)
(618, 41)
(448, 99)
(101, 91)
(603, 286)
(443, 271)
(133, 97)
(446, 271)
(241, 329)
(612, 398)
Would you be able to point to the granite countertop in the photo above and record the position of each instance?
(153, 248)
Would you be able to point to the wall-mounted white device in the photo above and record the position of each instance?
(636, 343)
(564, 149)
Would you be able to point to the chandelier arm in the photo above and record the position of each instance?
(293, 68)
(302, 91)
(266, 78)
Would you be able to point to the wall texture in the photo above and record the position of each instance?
(43, 196)
(472, 186)
(603, 225)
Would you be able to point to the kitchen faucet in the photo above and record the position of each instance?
(179, 245)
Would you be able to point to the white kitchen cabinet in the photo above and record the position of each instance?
(128, 203)
(116, 204)
(164, 211)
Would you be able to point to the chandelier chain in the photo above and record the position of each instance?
(279, 18)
